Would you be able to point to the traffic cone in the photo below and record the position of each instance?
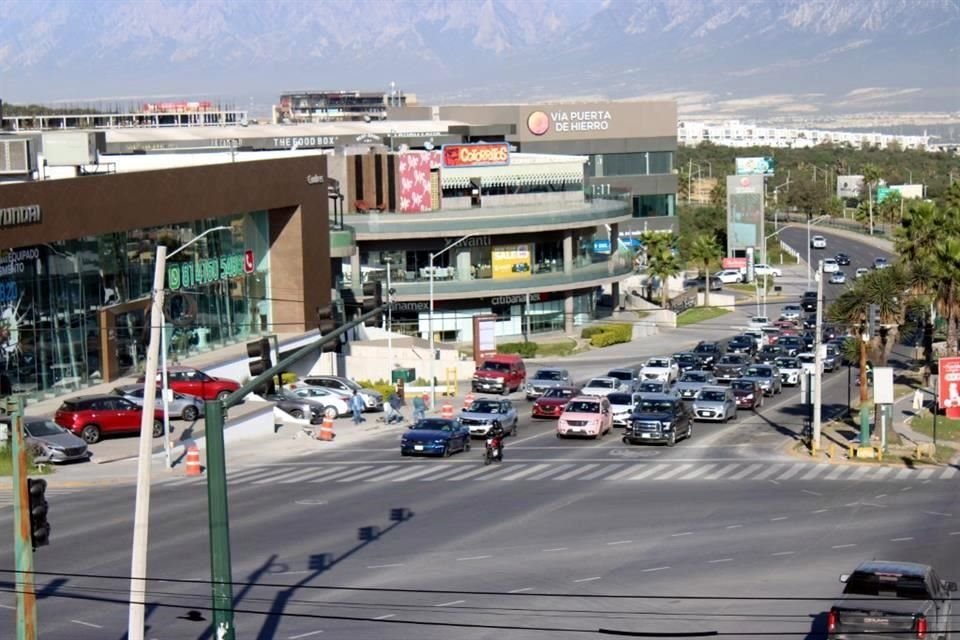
(193, 461)
(326, 430)
(468, 400)
(446, 411)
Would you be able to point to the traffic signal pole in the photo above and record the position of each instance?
(22, 538)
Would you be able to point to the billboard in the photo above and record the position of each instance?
(513, 261)
(744, 212)
(492, 154)
(948, 383)
(849, 187)
(760, 166)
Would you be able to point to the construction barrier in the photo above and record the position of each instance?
(193, 461)
(446, 411)
(468, 400)
(326, 430)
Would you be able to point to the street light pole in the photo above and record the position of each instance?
(389, 262)
(818, 364)
(433, 356)
(810, 223)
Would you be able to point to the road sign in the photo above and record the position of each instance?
(883, 385)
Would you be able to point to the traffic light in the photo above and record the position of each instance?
(327, 320)
(372, 299)
(259, 351)
(39, 527)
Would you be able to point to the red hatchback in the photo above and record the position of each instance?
(93, 417)
(552, 402)
(194, 382)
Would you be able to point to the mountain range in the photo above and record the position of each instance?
(775, 60)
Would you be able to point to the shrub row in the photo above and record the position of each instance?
(525, 349)
(606, 335)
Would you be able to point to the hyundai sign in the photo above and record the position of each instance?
(493, 154)
(762, 166)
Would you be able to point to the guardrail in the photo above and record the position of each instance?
(790, 251)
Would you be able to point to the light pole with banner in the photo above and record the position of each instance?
(433, 355)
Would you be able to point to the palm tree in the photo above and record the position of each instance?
(871, 177)
(704, 251)
(850, 310)
(662, 260)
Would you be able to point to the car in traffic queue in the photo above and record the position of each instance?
(831, 358)
(434, 436)
(600, 386)
(791, 312)
(687, 361)
(331, 399)
(629, 377)
(810, 321)
(715, 404)
(482, 413)
(771, 334)
(757, 336)
(818, 242)
(660, 368)
(544, 379)
(730, 366)
(588, 416)
(372, 399)
(758, 322)
(193, 382)
(880, 263)
(809, 338)
(297, 406)
(786, 327)
(747, 394)
(655, 386)
(500, 373)
(180, 405)
(769, 353)
(808, 300)
(766, 375)
(48, 441)
(860, 273)
(838, 277)
(829, 265)
(621, 406)
(708, 351)
(691, 382)
(95, 416)
(790, 370)
(842, 259)
(742, 344)
(658, 419)
(791, 345)
(552, 402)
(808, 363)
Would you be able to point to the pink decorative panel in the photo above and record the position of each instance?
(415, 182)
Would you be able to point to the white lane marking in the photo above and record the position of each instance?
(386, 616)
(620, 475)
(367, 474)
(812, 493)
(449, 604)
(648, 472)
(385, 566)
(442, 473)
(305, 635)
(926, 473)
(743, 474)
(719, 560)
(843, 546)
(652, 569)
(722, 471)
(588, 579)
(6, 606)
(684, 533)
(550, 472)
(778, 518)
(734, 526)
(906, 489)
(516, 475)
(904, 474)
(470, 474)
(413, 474)
(292, 573)
(904, 539)
(673, 472)
(939, 513)
(610, 544)
(575, 472)
(603, 471)
(249, 471)
(269, 476)
(302, 476)
(816, 470)
(859, 473)
(949, 472)
(769, 471)
(792, 471)
(469, 558)
(520, 590)
(783, 553)
(882, 495)
(331, 476)
(87, 624)
(698, 472)
(954, 533)
(820, 511)
(556, 549)
(836, 473)
(879, 472)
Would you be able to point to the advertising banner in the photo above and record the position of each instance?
(484, 337)
(512, 261)
(948, 385)
(744, 212)
(734, 263)
(494, 154)
(761, 166)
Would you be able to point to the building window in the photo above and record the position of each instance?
(661, 162)
(653, 205)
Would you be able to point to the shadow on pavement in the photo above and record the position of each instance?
(818, 628)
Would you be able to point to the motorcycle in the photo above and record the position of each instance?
(493, 450)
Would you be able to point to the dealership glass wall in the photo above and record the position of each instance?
(55, 297)
(638, 163)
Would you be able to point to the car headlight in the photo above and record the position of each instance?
(439, 441)
(749, 396)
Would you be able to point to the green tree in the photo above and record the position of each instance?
(871, 178)
(683, 185)
(704, 252)
(662, 260)
(718, 195)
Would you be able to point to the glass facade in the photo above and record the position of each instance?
(640, 163)
(654, 205)
(56, 298)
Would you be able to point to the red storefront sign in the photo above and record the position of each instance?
(734, 263)
(948, 386)
(493, 154)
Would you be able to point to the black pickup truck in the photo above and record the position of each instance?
(886, 600)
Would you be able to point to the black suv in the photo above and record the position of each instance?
(792, 345)
(809, 301)
(708, 352)
(658, 418)
(742, 344)
(688, 361)
(768, 353)
(730, 366)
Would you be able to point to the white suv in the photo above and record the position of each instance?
(818, 242)
(762, 269)
(729, 276)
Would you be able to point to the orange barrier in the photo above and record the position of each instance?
(326, 430)
(193, 461)
(446, 411)
(468, 400)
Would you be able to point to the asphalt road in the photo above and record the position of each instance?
(566, 537)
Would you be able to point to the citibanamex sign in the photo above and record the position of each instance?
(493, 154)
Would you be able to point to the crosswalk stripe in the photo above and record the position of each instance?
(722, 471)
(620, 475)
(515, 475)
(338, 473)
(650, 471)
(879, 472)
(904, 474)
(276, 475)
(859, 473)
(454, 469)
(470, 474)
(575, 472)
(549, 472)
(699, 471)
(926, 473)
(836, 473)
(948, 473)
(246, 473)
(413, 474)
(675, 471)
(743, 474)
(602, 472)
(815, 470)
(305, 475)
(366, 474)
(769, 471)
(789, 473)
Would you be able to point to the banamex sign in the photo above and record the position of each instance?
(476, 155)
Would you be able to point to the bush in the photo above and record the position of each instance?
(384, 387)
(525, 349)
(288, 378)
(612, 334)
(589, 332)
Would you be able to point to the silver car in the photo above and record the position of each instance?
(371, 398)
(691, 382)
(181, 405)
(49, 441)
(767, 376)
(546, 378)
(716, 404)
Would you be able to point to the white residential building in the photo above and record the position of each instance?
(734, 133)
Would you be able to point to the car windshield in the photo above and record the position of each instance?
(601, 383)
(806, 357)
(712, 396)
(485, 406)
(705, 348)
(658, 363)
(651, 387)
(583, 406)
(694, 376)
(620, 398)
(620, 375)
(43, 428)
(746, 385)
(791, 340)
(654, 406)
(434, 425)
(770, 348)
(730, 359)
(495, 366)
(900, 586)
(788, 363)
(759, 372)
(558, 393)
(548, 374)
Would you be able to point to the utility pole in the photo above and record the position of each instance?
(22, 539)
(221, 571)
(689, 179)
(818, 364)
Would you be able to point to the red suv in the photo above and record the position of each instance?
(92, 417)
(501, 373)
(194, 382)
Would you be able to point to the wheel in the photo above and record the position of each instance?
(157, 428)
(296, 413)
(559, 435)
(90, 434)
(467, 445)
(689, 431)
(625, 440)
(223, 395)
(446, 451)
(506, 390)
(487, 457)
(672, 440)
(190, 414)
(328, 409)
(513, 431)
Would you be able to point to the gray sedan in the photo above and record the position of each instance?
(691, 382)
(716, 404)
(765, 375)
(299, 408)
(181, 405)
(546, 378)
(49, 441)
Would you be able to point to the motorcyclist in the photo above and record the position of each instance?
(495, 439)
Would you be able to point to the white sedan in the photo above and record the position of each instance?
(729, 276)
(818, 242)
(602, 386)
(861, 272)
(762, 269)
(830, 266)
(329, 398)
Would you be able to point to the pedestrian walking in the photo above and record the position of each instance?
(394, 403)
(419, 409)
(357, 405)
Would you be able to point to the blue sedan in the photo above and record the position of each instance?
(435, 436)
